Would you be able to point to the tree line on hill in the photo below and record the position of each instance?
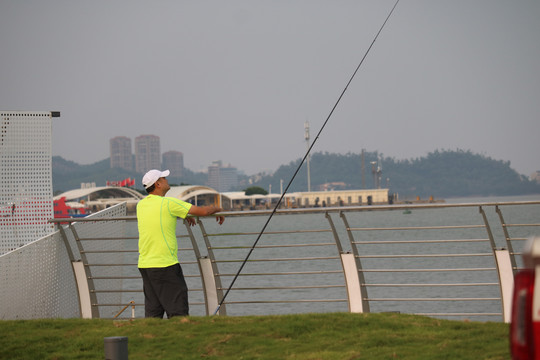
(440, 174)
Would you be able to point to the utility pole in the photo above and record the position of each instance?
(374, 173)
(379, 172)
(363, 169)
(306, 136)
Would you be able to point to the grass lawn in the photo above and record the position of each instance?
(305, 336)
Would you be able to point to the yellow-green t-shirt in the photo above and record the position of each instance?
(157, 218)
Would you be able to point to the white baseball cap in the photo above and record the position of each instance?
(152, 176)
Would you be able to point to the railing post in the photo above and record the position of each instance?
(211, 292)
(508, 241)
(350, 271)
(82, 277)
(211, 282)
(504, 272)
(506, 280)
(358, 265)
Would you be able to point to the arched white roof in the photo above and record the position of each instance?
(241, 195)
(110, 192)
(235, 195)
(186, 192)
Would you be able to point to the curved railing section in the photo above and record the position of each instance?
(441, 260)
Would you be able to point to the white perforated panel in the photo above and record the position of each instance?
(25, 177)
(36, 281)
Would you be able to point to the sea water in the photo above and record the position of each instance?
(325, 295)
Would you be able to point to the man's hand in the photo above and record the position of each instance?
(191, 221)
(220, 219)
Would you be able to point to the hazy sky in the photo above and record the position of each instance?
(236, 80)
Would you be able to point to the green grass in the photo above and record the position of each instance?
(306, 336)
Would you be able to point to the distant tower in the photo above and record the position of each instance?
(222, 178)
(363, 169)
(374, 173)
(147, 153)
(174, 161)
(121, 155)
(306, 136)
(379, 174)
(376, 170)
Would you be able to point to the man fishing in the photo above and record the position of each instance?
(165, 289)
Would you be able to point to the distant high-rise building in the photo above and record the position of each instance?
(222, 178)
(121, 155)
(147, 153)
(174, 161)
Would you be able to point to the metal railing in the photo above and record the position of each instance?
(442, 260)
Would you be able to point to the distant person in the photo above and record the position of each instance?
(165, 289)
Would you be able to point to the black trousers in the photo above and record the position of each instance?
(165, 291)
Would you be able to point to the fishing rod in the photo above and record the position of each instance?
(304, 159)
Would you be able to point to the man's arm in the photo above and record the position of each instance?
(206, 211)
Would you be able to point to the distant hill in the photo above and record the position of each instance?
(440, 174)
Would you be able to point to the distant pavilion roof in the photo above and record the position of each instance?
(187, 192)
(241, 195)
(100, 192)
